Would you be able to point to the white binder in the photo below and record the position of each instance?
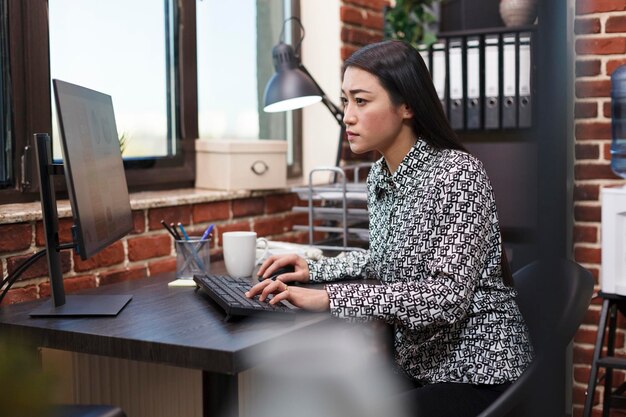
(525, 67)
(491, 102)
(455, 57)
(439, 72)
(472, 101)
(423, 50)
(509, 103)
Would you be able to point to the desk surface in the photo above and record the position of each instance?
(171, 325)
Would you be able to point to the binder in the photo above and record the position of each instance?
(509, 101)
(455, 62)
(438, 71)
(525, 65)
(491, 100)
(472, 101)
(423, 50)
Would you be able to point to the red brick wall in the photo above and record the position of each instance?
(600, 42)
(148, 250)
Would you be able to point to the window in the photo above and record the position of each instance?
(126, 55)
(234, 65)
(5, 121)
(146, 55)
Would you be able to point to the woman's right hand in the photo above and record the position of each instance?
(271, 264)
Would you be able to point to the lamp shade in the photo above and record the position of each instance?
(289, 88)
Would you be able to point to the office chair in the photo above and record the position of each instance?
(87, 411)
(553, 297)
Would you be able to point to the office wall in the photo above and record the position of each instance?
(320, 55)
(600, 45)
(333, 32)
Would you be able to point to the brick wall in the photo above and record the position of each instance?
(148, 250)
(600, 42)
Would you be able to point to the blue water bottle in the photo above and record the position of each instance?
(618, 121)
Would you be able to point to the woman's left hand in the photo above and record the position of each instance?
(305, 298)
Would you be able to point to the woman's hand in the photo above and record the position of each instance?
(306, 298)
(271, 264)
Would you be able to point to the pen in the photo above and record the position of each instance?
(182, 229)
(207, 232)
(173, 226)
(170, 231)
(194, 251)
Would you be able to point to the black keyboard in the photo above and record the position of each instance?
(228, 293)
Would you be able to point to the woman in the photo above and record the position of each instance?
(435, 244)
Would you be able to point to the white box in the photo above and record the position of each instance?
(241, 165)
(613, 279)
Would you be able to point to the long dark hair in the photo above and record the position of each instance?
(403, 74)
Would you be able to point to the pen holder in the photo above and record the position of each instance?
(192, 257)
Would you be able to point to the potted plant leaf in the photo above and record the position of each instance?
(412, 21)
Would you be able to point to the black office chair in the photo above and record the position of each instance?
(87, 411)
(553, 297)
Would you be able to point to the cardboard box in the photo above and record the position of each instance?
(241, 165)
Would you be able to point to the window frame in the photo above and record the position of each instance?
(295, 170)
(5, 122)
(29, 66)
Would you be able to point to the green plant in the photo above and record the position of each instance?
(26, 390)
(411, 21)
(124, 138)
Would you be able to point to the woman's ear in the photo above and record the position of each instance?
(407, 113)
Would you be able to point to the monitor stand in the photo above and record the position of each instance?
(62, 305)
(84, 305)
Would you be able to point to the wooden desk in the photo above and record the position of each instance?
(175, 326)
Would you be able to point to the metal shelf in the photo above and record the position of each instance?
(338, 205)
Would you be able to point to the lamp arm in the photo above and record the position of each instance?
(336, 111)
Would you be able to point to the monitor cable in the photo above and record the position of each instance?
(11, 279)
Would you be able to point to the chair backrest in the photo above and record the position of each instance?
(553, 297)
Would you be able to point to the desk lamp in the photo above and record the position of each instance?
(292, 86)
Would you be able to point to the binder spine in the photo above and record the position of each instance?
(439, 71)
(493, 84)
(525, 72)
(484, 79)
(455, 84)
(472, 83)
(510, 76)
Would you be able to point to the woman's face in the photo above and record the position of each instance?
(372, 121)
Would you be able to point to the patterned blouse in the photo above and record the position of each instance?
(435, 247)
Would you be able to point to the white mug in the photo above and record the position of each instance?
(240, 252)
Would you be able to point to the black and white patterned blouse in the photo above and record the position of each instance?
(435, 247)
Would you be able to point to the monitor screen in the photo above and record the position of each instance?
(94, 170)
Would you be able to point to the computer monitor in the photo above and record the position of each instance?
(96, 184)
(94, 171)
